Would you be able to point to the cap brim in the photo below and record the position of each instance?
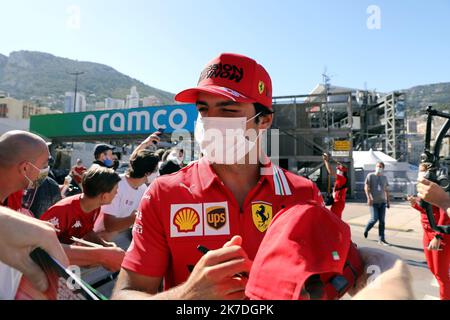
(191, 95)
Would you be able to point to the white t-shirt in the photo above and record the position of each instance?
(9, 282)
(125, 202)
(10, 277)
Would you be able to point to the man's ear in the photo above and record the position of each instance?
(265, 122)
(22, 167)
(103, 197)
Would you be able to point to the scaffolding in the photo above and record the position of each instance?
(337, 121)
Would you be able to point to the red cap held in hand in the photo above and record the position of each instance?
(235, 77)
(305, 247)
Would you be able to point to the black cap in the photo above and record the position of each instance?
(100, 148)
(169, 167)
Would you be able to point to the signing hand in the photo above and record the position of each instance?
(214, 276)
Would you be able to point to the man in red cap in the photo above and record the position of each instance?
(232, 190)
(340, 186)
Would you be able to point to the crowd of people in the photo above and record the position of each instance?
(207, 230)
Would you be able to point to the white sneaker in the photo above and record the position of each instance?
(383, 243)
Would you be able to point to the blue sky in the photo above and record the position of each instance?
(166, 43)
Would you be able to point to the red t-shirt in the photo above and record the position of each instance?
(340, 193)
(14, 200)
(193, 207)
(71, 221)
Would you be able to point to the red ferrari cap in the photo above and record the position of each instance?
(235, 77)
(342, 168)
(303, 243)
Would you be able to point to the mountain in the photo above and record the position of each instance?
(437, 95)
(38, 76)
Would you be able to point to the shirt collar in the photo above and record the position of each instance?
(207, 175)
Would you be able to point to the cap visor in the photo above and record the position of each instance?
(191, 95)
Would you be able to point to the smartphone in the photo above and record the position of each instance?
(161, 131)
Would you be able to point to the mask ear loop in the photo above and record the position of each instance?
(254, 117)
(30, 204)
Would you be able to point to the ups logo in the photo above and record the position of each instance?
(216, 217)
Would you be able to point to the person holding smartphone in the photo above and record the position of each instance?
(435, 244)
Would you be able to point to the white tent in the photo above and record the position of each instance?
(399, 174)
(367, 160)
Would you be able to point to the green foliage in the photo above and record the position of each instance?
(26, 74)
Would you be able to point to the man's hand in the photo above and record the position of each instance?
(214, 276)
(369, 201)
(111, 258)
(386, 277)
(435, 245)
(154, 137)
(412, 200)
(433, 193)
(19, 236)
(326, 157)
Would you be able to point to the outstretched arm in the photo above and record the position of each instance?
(326, 161)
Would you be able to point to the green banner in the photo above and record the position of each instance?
(115, 122)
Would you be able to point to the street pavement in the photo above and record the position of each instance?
(404, 232)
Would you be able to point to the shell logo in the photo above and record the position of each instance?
(186, 220)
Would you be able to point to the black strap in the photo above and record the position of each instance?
(355, 274)
(341, 188)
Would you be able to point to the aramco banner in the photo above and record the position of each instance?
(116, 122)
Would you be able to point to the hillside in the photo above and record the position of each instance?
(38, 76)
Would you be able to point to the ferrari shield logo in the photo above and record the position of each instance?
(262, 215)
(261, 87)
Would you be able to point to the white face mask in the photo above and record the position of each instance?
(152, 177)
(175, 158)
(421, 175)
(379, 170)
(43, 174)
(222, 140)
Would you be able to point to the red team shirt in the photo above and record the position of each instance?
(193, 207)
(14, 200)
(340, 193)
(440, 216)
(71, 221)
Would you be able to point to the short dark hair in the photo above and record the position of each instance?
(381, 163)
(97, 180)
(165, 155)
(142, 163)
(160, 153)
(262, 111)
